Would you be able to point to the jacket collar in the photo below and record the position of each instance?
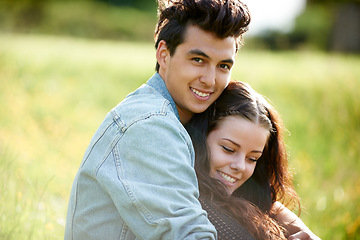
(157, 83)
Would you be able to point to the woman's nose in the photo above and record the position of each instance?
(238, 164)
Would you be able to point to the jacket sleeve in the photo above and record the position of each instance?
(155, 188)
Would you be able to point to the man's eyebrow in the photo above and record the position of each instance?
(198, 52)
(230, 61)
(201, 53)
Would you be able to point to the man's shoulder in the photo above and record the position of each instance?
(143, 103)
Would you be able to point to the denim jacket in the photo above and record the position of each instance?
(137, 180)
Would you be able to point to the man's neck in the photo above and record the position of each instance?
(185, 117)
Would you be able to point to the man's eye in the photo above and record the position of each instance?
(225, 66)
(230, 150)
(199, 60)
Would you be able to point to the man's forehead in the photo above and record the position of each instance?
(199, 40)
(195, 29)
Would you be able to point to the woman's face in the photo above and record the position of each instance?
(235, 146)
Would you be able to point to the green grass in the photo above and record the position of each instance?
(54, 92)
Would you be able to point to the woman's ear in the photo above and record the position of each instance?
(161, 55)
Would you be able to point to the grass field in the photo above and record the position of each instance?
(54, 92)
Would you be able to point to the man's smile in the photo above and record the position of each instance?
(199, 93)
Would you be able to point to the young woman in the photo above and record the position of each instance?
(239, 144)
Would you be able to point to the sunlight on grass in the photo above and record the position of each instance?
(54, 92)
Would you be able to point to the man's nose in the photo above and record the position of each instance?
(208, 77)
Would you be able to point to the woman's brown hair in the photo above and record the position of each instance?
(251, 203)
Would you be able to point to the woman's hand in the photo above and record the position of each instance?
(303, 235)
(295, 227)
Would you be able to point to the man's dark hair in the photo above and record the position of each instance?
(224, 18)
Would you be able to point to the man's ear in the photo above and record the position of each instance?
(162, 54)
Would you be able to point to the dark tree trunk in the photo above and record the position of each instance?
(346, 31)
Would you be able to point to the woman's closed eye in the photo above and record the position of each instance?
(252, 159)
(227, 149)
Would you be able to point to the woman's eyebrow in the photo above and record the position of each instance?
(238, 145)
(229, 140)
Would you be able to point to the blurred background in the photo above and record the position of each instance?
(65, 63)
(328, 25)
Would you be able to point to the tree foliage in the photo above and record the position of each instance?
(326, 2)
(140, 4)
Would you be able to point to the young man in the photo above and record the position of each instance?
(137, 180)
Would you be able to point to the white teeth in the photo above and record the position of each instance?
(201, 94)
(227, 177)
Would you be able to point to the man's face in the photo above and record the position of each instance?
(198, 71)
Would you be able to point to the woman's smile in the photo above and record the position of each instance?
(227, 177)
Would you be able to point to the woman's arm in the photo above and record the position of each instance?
(296, 228)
